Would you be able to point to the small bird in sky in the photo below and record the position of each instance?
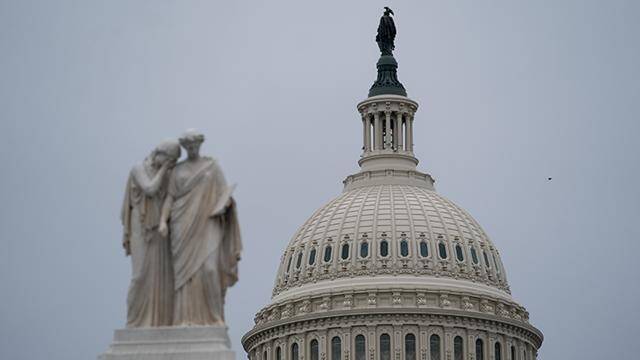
(548, 179)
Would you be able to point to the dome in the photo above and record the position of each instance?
(390, 269)
(405, 231)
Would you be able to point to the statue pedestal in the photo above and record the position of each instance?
(170, 343)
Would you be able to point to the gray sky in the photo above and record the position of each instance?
(511, 93)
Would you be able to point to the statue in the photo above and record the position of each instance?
(150, 297)
(386, 33)
(182, 232)
(199, 216)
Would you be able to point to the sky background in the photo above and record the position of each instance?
(511, 93)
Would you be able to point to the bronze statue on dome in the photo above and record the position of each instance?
(386, 32)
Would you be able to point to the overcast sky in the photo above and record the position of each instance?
(511, 93)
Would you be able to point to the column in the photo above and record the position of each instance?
(364, 133)
(367, 133)
(398, 132)
(409, 128)
(377, 129)
(387, 126)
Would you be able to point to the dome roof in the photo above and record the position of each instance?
(382, 230)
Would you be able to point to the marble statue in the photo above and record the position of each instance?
(199, 217)
(150, 297)
(182, 232)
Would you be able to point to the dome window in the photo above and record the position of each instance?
(344, 254)
(486, 259)
(313, 348)
(424, 249)
(479, 350)
(410, 347)
(497, 351)
(385, 347)
(312, 256)
(289, 263)
(404, 248)
(361, 347)
(459, 253)
(299, 260)
(474, 255)
(278, 353)
(336, 348)
(364, 249)
(442, 250)
(513, 352)
(384, 248)
(327, 253)
(434, 347)
(294, 351)
(495, 261)
(264, 355)
(458, 348)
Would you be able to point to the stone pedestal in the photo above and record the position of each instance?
(170, 343)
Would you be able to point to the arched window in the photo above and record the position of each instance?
(474, 255)
(364, 249)
(336, 348)
(459, 253)
(404, 248)
(294, 351)
(497, 351)
(289, 262)
(327, 253)
(434, 347)
(385, 347)
(264, 355)
(524, 354)
(361, 348)
(345, 252)
(486, 259)
(313, 350)
(479, 350)
(299, 261)
(424, 249)
(513, 352)
(410, 347)
(278, 353)
(384, 248)
(442, 250)
(312, 256)
(495, 262)
(457, 348)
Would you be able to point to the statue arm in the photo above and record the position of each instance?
(164, 215)
(149, 186)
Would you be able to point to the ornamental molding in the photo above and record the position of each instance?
(443, 324)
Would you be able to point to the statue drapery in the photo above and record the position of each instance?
(205, 246)
(150, 295)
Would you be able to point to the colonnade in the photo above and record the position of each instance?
(387, 130)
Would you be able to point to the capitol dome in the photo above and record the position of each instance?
(390, 269)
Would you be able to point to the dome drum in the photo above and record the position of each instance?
(432, 335)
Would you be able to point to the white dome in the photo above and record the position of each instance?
(389, 230)
(390, 266)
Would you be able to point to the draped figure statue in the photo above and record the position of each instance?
(150, 296)
(199, 215)
(386, 33)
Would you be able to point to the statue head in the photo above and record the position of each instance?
(191, 141)
(167, 150)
